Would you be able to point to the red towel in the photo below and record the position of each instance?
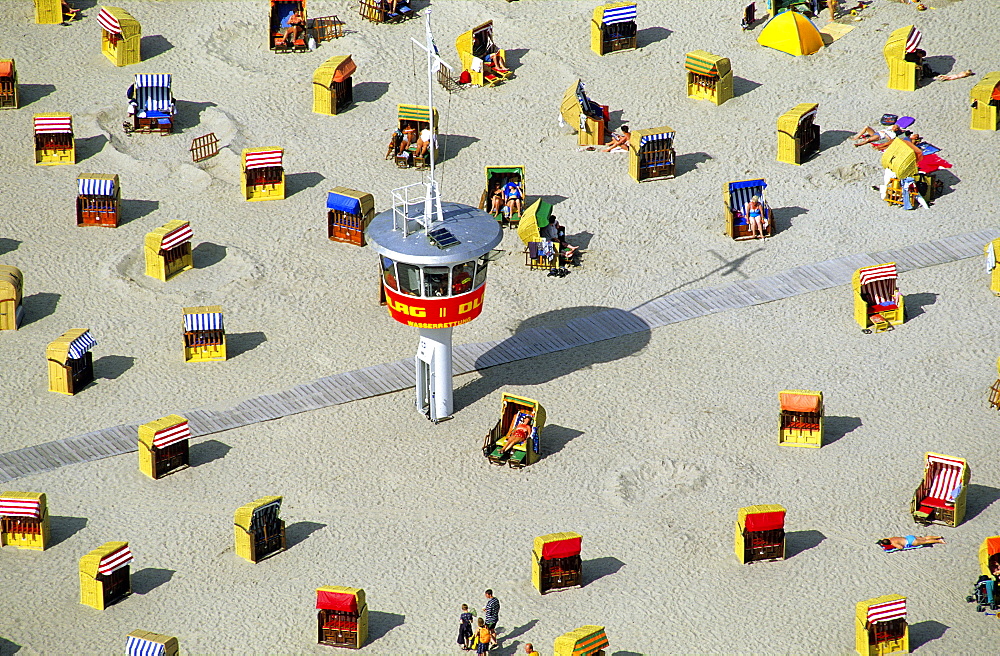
(931, 163)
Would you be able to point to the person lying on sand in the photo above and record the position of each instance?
(954, 76)
(909, 541)
(870, 135)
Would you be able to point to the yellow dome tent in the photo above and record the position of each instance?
(791, 32)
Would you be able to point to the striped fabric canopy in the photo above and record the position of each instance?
(741, 192)
(79, 346)
(142, 647)
(700, 65)
(171, 435)
(53, 124)
(913, 40)
(13, 507)
(108, 21)
(619, 14)
(413, 113)
(264, 158)
(152, 93)
(888, 610)
(663, 136)
(96, 187)
(176, 237)
(945, 476)
(207, 321)
(876, 273)
(115, 560)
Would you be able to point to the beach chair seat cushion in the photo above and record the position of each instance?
(932, 502)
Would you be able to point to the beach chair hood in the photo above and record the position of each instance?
(900, 159)
(791, 32)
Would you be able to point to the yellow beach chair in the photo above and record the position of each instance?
(985, 97)
(880, 627)
(940, 497)
(878, 305)
(515, 411)
(476, 50)
(709, 77)
(902, 55)
(798, 134)
(612, 28)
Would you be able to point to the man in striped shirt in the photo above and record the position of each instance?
(491, 614)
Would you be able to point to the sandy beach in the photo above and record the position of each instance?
(654, 440)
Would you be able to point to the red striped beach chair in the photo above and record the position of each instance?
(878, 305)
(940, 497)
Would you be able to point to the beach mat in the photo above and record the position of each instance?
(833, 31)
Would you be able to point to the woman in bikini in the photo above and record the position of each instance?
(755, 217)
(909, 541)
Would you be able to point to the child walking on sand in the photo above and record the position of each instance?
(465, 628)
(483, 636)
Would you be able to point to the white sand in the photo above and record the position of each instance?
(654, 440)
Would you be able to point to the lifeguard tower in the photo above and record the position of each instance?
(433, 258)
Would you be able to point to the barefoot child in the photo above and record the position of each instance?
(483, 637)
(465, 628)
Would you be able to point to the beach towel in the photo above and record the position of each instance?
(908, 184)
(927, 148)
(931, 163)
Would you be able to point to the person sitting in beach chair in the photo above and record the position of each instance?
(515, 439)
(496, 199)
(518, 435)
(295, 29)
(513, 197)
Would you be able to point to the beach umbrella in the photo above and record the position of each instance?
(791, 32)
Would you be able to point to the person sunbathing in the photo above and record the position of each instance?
(909, 541)
(619, 141)
(869, 135)
(296, 26)
(496, 62)
(423, 142)
(518, 435)
(409, 134)
(754, 212)
(513, 195)
(496, 199)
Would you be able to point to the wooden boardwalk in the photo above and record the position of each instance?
(396, 376)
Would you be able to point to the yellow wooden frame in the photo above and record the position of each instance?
(985, 114)
(128, 48)
(812, 438)
(24, 540)
(11, 293)
(901, 646)
(903, 75)
(91, 588)
(894, 317)
(324, 95)
(205, 352)
(156, 262)
(359, 595)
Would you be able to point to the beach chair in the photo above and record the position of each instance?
(496, 178)
(555, 562)
(104, 575)
(147, 643)
(333, 89)
(54, 142)
(709, 77)
(380, 11)
(904, 58)
(167, 250)
(940, 497)
(880, 626)
(418, 117)
(760, 533)
(473, 49)
(651, 154)
(262, 175)
(590, 640)
(121, 36)
(901, 165)
(798, 134)
(800, 418)
(513, 411)
(71, 365)
(342, 616)
(151, 104)
(775, 7)
(735, 196)
(281, 12)
(164, 446)
(749, 16)
(878, 305)
(11, 293)
(612, 28)
(584, 115)
(984, 97)
(348, 213)
(258, 530)
(989, 555)
(97, 200)
(24, 520)
(204, 334)
(8, 85)
(49, 12)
